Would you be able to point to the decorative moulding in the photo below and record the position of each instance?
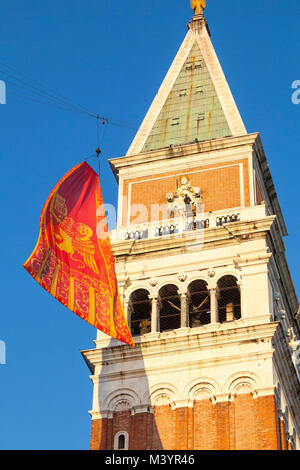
(211, 273)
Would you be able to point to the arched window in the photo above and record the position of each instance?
(140, 309)
(229, 299)
(199, 304)
(121, 441)
(169, 308)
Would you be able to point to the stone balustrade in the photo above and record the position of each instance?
(180, 225)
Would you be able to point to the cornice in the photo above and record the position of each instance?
(269, 183)
(185, 150)
(192, 365)
(213, 336)
(182, 164)
(185, 402)
(237, 232)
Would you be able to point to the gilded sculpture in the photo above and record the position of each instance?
(198, 6)
(184, 198)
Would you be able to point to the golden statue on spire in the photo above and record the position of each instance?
(198, 6)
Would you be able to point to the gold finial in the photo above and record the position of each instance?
(198, 6)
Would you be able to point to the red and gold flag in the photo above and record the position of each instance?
(73, 260)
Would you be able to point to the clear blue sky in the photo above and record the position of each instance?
(111, 57)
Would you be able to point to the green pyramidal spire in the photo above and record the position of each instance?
(192, 109)
(194, 102)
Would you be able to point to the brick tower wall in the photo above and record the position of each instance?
(246, 423)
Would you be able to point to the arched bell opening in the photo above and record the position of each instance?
(140, 312)
(199, 304)
(169, 308)
(229, 299)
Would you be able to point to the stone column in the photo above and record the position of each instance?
(243, 308)
(184, 323)
(154, 315)
(212, 220)
(214, 315)
(128, 312)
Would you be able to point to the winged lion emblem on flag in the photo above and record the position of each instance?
(71, 236)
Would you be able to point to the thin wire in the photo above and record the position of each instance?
(56, 95)
(62, 108)
(104, 132)
(57, 100)
(98, 151)
(125, 125)
(88, 158)
(47, 96)
(98, 124)
(98, 165)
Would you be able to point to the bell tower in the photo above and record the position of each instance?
(202, 272)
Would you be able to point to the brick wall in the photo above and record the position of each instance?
(283, 437)
(243, 424)
(259, 197)
(220, 185)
